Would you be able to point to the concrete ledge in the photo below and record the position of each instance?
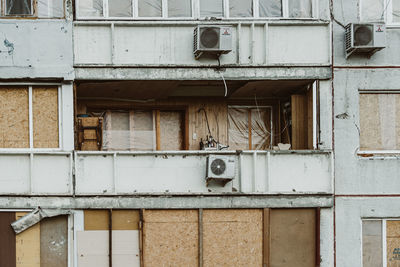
(168, 202)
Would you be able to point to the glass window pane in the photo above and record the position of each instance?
(300, 8)
(90, 8)
(211, 8)
(19, 7)
(50, 8)
(396, 10)
(120, 8)
(372, 243)
(241, 8)
(270, 8)
(150, 8)
(179, 8)
(372, 10)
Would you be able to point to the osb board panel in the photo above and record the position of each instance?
(233, 237)
(170, 238)
(372, 243)
(393, 243)
(171, 130)
(7, 239)
(28, 245)
(45, 117)
(92, 248)
(292, 237)
(96, 220)
(125, 219)
(125, 248)
(370, 124)
(54, 242)
(89, 121)
(14, 117)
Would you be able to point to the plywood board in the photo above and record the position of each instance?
(92, 248)
(45, 117)
(233, 237)
(171, 130)
(170, 238)
(96, 220)
(393, 243)
(7, 239)
(125, 248)
(372, 243)
(54, 242)
(299, 122)
(370, 125)
(125, 219)
(28, 245)
(14, 117)
(293, 237)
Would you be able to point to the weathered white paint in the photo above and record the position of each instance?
(36, 49)
(37, 173)
(260, 172)
(171, 44)
(67, 117)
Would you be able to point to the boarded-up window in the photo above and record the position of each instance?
(233, 237)
(393, 243)
(143, 130)
(14, 118)
(372, 243)
(7, 239)
(93, 244)
(249, 128)
(170, 238)
(379, 121)
(293, 237)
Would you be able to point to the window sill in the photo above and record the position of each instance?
(377, 154)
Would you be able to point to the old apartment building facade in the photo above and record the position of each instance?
(125, 142)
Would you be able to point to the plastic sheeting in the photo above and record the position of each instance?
(241, 8)
(239, 134)
(211, 8)
(90, 8)
(270, 8)
(372, 10)
(300, 8)
(120, 8)
(128, 130)
(150, 8)
(179, 8)
(19, 7)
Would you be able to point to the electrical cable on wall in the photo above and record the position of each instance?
(222, 76)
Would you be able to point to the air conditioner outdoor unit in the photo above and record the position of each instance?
(220, 169)
(212, 39)
(365, 38)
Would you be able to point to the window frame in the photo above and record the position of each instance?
(34, 15)
(196, 14)
(388, 10)
(31, 147)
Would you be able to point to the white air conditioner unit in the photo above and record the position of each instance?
(365, 38)
(220, 169)
(212, 39)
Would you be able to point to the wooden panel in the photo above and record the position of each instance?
(233, 237)
(45, 117)
(292, 237)
(299, 122)
(14, 117)
(7, 239)
(170, 238)
(96, 220)
(310, 118)
(266, 236)
(171, 130)
(125, 219)
(28, 245)
(370, 124)
(372, 243)
(393, 243)
(92, 247)
(158, 130)
(54, 242)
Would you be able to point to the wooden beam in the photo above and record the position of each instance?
(200, 237)
(266, 236)
(250, 132)
(317, 237)
(141, 237)
(158, 134)
(110, 237)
